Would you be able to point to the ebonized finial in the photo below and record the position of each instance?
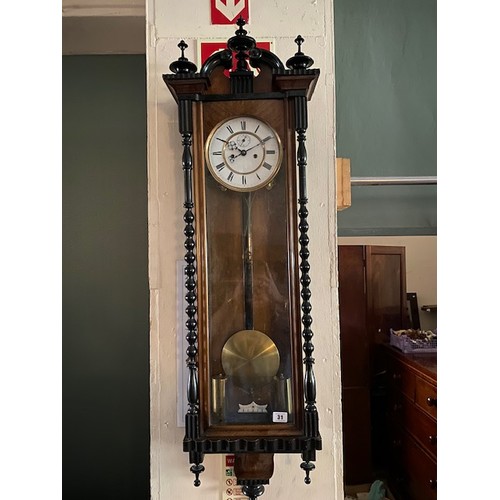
(183, 64)
(253, 491)
(299, 60)
(307, 467)
(299, 41)
(240, 22)
(241, 43)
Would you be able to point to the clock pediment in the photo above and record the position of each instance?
(229, 71)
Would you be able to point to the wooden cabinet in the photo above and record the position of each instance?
(412, 424)
(372, 296)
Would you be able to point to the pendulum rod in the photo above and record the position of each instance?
(247, 259)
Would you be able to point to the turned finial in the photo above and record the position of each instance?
(299, 60)
(183, 64)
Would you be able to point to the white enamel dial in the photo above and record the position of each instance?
(243, 153)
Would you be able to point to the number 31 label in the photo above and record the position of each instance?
(280, 417)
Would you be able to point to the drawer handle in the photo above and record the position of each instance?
(396, 443)
(397, 407)
(431, 401)
(433, 484)
(396, 376)
(433, 439)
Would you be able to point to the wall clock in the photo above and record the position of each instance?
(251, 386)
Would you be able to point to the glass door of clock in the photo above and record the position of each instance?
(249, 285)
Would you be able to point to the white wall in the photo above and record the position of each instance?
(282, 20)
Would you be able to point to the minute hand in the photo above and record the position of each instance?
(261, 143)
(243, 152)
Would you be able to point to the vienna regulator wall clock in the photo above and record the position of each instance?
(251, 388)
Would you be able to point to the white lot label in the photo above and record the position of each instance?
(280, 417)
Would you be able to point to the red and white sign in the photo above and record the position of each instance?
(207, 48)
(228, 11)
(231, 490)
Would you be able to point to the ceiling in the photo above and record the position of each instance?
(95, 27)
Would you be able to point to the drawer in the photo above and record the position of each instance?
(426, 397)
(420, 471)
(422, 427)
(402, 380)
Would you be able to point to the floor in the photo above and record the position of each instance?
(360, 492)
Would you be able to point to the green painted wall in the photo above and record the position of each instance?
(105, 279)
(386, 111)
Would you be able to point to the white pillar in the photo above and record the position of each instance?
(281, 21)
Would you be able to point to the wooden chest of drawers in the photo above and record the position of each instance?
(412, 424)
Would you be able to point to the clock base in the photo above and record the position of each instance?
(253, 470)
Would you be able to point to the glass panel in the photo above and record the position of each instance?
(248, 304)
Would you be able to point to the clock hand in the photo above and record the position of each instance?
(259, 144)
(242, 152)
(232, 157)
(231, 144)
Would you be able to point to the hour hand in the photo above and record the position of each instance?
(232, 157)
(242, 152)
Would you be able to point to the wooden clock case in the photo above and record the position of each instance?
(226, 86)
